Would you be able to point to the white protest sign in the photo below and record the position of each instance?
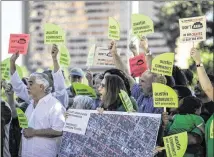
(103, 57)
(77, 121)
(192, 29)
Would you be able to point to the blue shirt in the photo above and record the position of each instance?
(145, 103)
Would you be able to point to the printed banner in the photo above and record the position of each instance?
(193, 29)
(142, 25)
(82, 89)
(164, 96)
(163, 64)
(176, 145)
(113, 29)
(91, 54)
(137, 65)
(64, 57)
(23, 122)
(77, 121)
(19, 43)
(126, 101)
(113, 134)
(54, 34)
(103, 57)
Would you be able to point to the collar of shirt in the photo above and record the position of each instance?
(44, 99)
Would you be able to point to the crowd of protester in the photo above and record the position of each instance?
(45, 98)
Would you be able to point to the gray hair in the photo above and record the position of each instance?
(82, 102)
(42, 78)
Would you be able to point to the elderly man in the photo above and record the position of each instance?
(46, 120)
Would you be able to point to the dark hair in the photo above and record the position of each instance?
(97, 75)
(179, 76)
(113, 85)
(170, 81)
(211, 77)
(189, 105)
(183, 91)
(123, 76)
(189, 75)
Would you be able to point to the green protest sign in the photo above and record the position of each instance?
(164, 96)
(5, 69)
(91, 53)
(176, 145)
(142, 25)
(163, 64)
(25, 72)
(113, 29)
(82, 89)
(126, 101)
(23, 122)
(54, 34)
(64, 58)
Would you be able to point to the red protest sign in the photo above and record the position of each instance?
(137, 65)
(18, 42)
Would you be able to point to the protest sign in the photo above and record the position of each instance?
(112, 133)
(163, 64)
(192, 29)
(82, 89)
(142, 25)
(126, 101)
(164, 96)
(54, 34)
(64, 57)
(25, 72)
(23, 122)
(91, 54)
(176, 145)
(5, 69)
(137, 65)
(103, 57)
(77, 121)
(18, 43)
(113, 29)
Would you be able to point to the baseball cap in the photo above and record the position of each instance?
(77, 72)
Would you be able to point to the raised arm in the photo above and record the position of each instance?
(133, 48)
(202, 75)
(119, 63)
(18, 86)
(145, 46)
(54, 53)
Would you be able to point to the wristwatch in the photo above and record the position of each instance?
(199, 65)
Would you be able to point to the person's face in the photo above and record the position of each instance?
(102, 89)
(34, 89)
(145, 83)
(74, 78)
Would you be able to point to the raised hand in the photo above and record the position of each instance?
(113, 47)
(195, 54)
(54, 51)
(132, 47)
(144, 44)
(14, 57)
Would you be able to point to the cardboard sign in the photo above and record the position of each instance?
(113, 29)
(112, 134)
(64, 58)
(54, 34)
(192, 29)
(103, 57)
(142, 25)
(176, 145)
(19, 43)
(163, 64)
(137, 65)
(91, 54)
(77, 121)
(126, 101)
(164, 96)
(23, 122)
(82, 89)
(5, 69)
(211, 130)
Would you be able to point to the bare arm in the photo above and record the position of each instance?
(13, 59)
(202, 75)
(54, 53)
(119, 63)
(11, 101)
(89, 77)
(47, 133)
